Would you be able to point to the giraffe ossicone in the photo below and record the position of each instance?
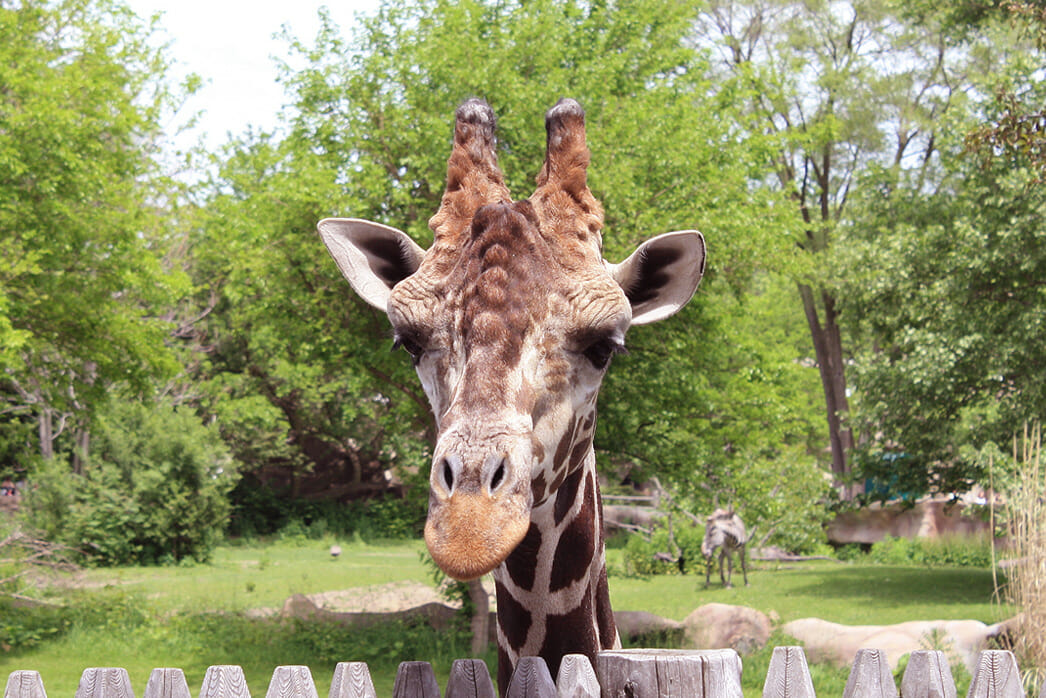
(511, 319)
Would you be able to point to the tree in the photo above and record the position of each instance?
(946, 289)
(83, 286)
(843, 86)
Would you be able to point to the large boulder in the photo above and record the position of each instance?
(837, 644)
(722, 626)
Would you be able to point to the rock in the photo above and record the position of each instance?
(635, 624)
(837, 644)
(438, 615)
(722, 626)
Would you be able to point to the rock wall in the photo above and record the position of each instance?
(927, 518)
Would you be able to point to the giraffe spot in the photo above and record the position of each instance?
(513, 619)
(604, 614)
(564, 443)
(577, 544)
(539, 488)
(523, 561)
(505, 670)
(581, 449)
(570, 633)
(566, 494)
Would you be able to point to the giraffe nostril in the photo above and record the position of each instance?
(448, 476)
(498, 476)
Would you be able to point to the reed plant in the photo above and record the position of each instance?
(1024, 509)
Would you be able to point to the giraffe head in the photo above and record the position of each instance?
(511, 318)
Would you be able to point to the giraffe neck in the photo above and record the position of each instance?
(552, 590)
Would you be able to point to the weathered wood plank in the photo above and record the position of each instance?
(415, 680)
(928, 676)
(352, 680)
(997, 676)
(25, 684)
(224, 681)
(291, 682)
(577, 678)
(669, 673)
(104, 682)
(788, 675)
(870, 676)
(470, 678)
(167, 683)
(531, 679)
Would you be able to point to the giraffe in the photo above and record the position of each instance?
(724, 531)
(511, 318)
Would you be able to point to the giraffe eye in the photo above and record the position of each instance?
(410, 345)
(601, 351)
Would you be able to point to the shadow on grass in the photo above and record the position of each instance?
(902, 586)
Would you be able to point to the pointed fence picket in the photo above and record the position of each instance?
(617, 674)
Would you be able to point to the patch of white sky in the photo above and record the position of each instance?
(233, 45)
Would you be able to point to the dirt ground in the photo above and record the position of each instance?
(378, 598)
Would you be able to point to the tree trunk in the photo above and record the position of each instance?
(81, 451)
(480, 617)
(828, 348)
(46, 430)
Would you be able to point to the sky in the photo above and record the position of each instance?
(230, 44)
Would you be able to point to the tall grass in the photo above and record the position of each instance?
(1026, 586)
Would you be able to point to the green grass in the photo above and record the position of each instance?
(141, 618)
(843, 593)
(264, 575)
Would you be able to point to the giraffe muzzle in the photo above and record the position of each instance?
(470, 533)
(477, 515)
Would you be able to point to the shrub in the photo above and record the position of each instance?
(260, 511)
(947, 551)
(155, 489)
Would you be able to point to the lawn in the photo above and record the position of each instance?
(185, 616)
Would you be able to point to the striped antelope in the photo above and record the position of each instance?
(725, 532)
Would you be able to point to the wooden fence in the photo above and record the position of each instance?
(617, 674)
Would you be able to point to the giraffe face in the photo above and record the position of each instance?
(510, 318)
(511, 347)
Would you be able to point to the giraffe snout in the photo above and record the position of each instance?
(479, 511)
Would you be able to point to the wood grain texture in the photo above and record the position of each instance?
(104, 682)
(870, 676)
(415, 680)
(25, 684)
(577, 678)
(224, 681)
(470, 678)
(291, 682)
(352, 680)
(531, 679)
(788, 675)
(167, 683)
(669, 673)
(997, 676)
(928, 676)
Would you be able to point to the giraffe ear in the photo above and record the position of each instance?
(661, 275)
(372, 257)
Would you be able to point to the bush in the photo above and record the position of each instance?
(257, 510)
(155, 489)
(948, 551)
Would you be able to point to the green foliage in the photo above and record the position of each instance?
(155, 490)
(84, 292)
(258, 510)
(944, 288)
(951, 551)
